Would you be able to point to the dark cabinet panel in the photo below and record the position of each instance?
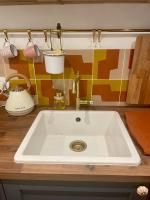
(69, 191)
(2, 195)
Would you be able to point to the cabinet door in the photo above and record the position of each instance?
(69, 191)
(2, 196)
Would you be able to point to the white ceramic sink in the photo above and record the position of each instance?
(105, 139)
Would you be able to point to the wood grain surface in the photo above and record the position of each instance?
(139, 79)
(13, 130)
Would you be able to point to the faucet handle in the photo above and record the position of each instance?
(74, 87)
(86, 102)
(91, 102)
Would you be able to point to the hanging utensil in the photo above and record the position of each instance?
(59, 35)
(46, 46)
(51, 40)
(60, 38)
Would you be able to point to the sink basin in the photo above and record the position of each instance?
(78, 137)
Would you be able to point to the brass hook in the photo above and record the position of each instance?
(99, 35)
(45, 34)
(6, 35)
(29, 35)
(94, 35)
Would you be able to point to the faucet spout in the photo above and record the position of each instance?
(76, 89)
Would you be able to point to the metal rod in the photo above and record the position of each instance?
(75, 30)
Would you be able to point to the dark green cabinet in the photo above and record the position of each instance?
(2, 194)
(37, 190)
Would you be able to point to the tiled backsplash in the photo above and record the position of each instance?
(104, 75)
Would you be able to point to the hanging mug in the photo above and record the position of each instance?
(31, 50)
(8, 50)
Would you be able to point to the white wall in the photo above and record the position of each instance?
(76, 16)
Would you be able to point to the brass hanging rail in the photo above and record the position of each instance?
(74, 30)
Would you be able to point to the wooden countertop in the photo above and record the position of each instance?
(13, 130)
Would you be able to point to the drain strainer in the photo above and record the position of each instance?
(78, 146)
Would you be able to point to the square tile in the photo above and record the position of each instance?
(112, 64)
(106, 91)
(45, 92)
(20, 64)
(79, 60)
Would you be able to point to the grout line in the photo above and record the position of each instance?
(32, 79)
(92, 76)
(80, 79)
(122, 72)
(37, 100)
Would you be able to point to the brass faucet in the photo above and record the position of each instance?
(75, 90)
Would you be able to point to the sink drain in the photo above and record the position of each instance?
(78, 146)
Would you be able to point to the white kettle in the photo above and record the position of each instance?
(19, 100)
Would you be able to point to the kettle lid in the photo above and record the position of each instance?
(17, 89)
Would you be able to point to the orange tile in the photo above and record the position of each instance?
(21, 65)
(83, 88)
(111, 62)
(45, 92)
(40, 68)
(123, 96)
(76, 63)
(105, 92)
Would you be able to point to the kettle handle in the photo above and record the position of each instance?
(20, 76)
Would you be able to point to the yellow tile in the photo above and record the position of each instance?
(114, 84)
(98, 56)
(124, 85)
(89, 89)
(41, 100)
